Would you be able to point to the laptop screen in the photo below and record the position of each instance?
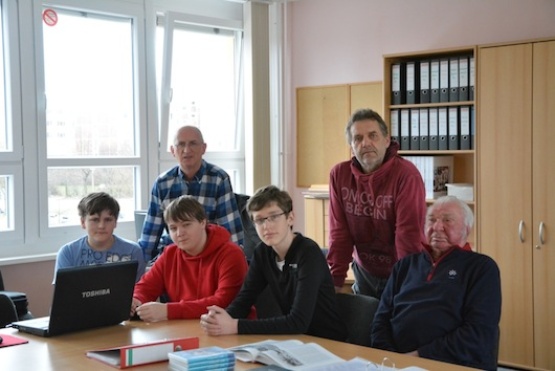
(92, 296)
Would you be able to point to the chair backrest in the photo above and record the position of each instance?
(1, 282)
(358, 313)
(8, 313)
(140, 216)
(250, 239)
(496, 350)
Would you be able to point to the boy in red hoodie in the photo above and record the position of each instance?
(201, 268)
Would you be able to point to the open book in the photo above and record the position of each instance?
(296, 355)
(289, 354)
(361, 364)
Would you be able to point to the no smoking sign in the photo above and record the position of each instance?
(50, 17)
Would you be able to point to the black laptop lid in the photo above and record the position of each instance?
(92, 296)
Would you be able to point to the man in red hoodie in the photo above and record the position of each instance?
(377, 207)
(201, 268)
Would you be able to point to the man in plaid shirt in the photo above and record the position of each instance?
(209, 184)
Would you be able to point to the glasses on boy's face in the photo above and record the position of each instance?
(270, 219)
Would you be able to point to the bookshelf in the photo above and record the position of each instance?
(422, 84)
(464, 155)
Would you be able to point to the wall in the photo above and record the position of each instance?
(35, 280)
(343, 41)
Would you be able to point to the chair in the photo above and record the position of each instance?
(8, 313)
(358, 313)
(496, 349)
(13, 305)
(250, 236)
(140, 216)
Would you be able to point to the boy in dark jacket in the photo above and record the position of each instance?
(294, 268)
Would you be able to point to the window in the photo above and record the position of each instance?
(77, 81)
(3, 124)
(199, 75)
(11, 217)
(91, 130)
(6, 181)
(6, 201)
(203, 88)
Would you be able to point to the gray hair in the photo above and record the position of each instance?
(467, 212)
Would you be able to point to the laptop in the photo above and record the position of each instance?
(86, 297)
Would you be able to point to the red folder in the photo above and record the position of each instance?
(141, 354)
(9, 340)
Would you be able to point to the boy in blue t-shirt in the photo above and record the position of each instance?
(99, 215)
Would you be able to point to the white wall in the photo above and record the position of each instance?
(343, 41)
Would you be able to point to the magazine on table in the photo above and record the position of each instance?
(361, 364)
(295, 355)
(289, 354)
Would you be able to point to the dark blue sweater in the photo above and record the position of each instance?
(448, 311)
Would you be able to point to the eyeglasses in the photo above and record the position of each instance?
(270, 219)
(182, 145)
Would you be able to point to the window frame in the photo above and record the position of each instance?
(15, 172)
(11, 161)
(139, 103)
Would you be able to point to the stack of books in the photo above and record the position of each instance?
(436, 172)
(201, 359)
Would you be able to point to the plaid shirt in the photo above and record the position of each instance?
(211, 187)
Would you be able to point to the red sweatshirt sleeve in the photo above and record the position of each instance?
(151, 284)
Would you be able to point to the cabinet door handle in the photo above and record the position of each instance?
(541, 233)
(520, 229)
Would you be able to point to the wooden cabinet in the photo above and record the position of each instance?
(516, 112)
(316, 206)
(322, 114)
(316, 222)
